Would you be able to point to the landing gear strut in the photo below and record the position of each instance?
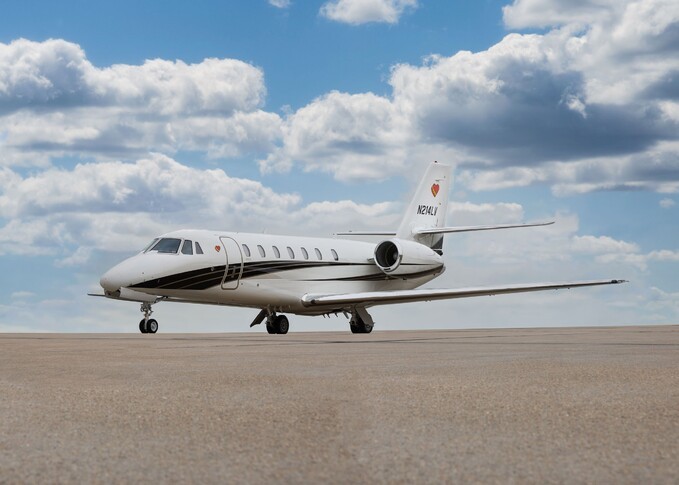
(147, 325)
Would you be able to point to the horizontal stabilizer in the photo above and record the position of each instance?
(448, 230)
(372, 298)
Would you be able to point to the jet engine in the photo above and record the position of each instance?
(398, 257)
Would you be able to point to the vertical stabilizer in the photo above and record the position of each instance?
(428, 207)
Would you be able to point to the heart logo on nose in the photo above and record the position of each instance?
(435, 189)
(217, 248)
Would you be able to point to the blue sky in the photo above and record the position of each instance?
(121, 121)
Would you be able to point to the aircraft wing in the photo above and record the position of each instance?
(372, 298)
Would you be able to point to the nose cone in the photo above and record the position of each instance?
(120, 276)
(111, 280)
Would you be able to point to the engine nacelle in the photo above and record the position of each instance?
(398, 257)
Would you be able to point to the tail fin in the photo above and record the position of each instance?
(428, 208)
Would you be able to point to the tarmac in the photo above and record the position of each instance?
(561, 405)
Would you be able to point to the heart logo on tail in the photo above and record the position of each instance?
(435, 189)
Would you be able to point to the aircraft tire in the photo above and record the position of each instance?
(367, 328)
(152, 326)
(142, 326)
(270, 328)
(282, 324)
(355, 328)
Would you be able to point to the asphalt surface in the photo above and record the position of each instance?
(563, 405)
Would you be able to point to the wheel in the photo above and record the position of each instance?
(356, 325)
(152, 326)
(142, 326)
(270, 328)
(282, 324)
(359, 326)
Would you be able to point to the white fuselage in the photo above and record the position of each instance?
(260, 271)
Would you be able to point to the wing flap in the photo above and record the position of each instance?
(372, 298)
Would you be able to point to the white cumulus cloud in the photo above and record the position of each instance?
(589, 105)
(280, 3)
(358, 12)
(350, 135)
(54, 101)
(118, 206)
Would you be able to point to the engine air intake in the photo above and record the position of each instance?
(388, 256)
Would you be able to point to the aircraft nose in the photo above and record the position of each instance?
(111, 281)
(122, 275)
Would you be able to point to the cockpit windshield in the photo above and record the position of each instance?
(167, 245)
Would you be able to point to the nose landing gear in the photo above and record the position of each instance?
(147, 325)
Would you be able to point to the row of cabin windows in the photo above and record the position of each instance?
(170, 245)
(291, 253)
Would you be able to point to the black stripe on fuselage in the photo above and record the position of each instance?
(380, 276)
(199, 279)
(209, 277)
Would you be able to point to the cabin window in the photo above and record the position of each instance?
(262, 253)
(276, 252)
(149, 245)
(291, 253)
(187, 248)
(167, 245)
(246, 250)
(318, 254)
(334, 255)
(305, 254)
(199, 250)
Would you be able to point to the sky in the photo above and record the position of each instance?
(122, 121)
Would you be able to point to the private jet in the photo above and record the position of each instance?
(306, 275)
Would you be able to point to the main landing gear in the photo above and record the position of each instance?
(361, 321)
(277, 324)
(147, 325)
(274, 323)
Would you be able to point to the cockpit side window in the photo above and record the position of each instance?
(149, 245)
(199, 250)
(167, 245)
(187, 248)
